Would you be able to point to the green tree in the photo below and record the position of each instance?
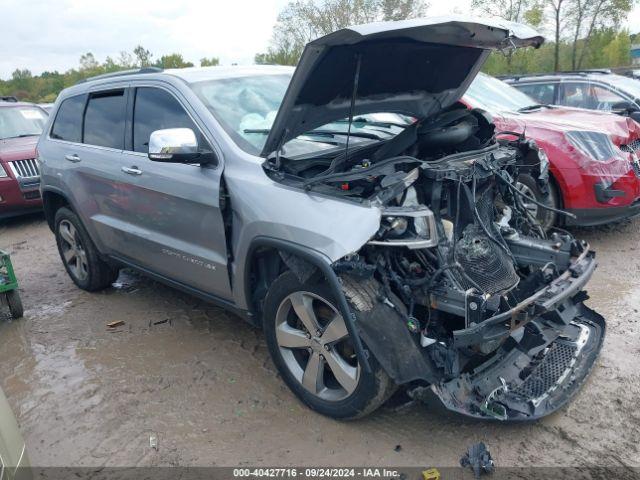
(304, 20)
(174, 60)
(143, 56)
(209, 62)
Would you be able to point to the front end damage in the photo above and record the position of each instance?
(474, 298)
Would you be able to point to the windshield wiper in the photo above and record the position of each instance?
(373, 123)
(332, 133)
(263, 131)
(23, 135)
(535, 106)
(322, 133)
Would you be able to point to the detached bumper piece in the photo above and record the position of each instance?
(535, 375)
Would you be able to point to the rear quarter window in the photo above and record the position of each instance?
(68, 123)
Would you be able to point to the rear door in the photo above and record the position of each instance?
(175, 224)
(88, 134)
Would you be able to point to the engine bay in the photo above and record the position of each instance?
(458, 257)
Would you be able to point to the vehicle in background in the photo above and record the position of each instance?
(47, 107)
(590, 89)
(20, 126)
(593, 156)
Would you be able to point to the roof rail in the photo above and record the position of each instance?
(8, 98)
(585, 71)
(121, 73)
(581, 73)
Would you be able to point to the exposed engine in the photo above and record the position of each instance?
(458, 257)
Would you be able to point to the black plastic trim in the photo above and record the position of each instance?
(322, 263)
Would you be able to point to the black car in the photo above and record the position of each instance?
(591, 89)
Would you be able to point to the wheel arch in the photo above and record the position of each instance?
(52, 200)
(279, 255)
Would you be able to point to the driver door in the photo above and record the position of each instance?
(176, 228)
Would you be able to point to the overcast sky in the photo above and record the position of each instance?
(51, 35)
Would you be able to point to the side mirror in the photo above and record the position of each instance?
(624, 106)
(175, 145)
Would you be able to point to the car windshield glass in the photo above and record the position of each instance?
(18, 122)
(628, 85)
(247, 106)
(496, 96)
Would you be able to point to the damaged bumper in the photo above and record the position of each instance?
(543, 302)
(543, 370)
(552, 342)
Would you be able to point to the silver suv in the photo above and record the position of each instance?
(353, 208)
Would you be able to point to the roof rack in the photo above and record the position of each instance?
(121, 73)
(8, 98)
(581, 73)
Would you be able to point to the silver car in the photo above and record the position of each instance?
(351, 207)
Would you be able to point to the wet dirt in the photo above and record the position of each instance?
(201, 381)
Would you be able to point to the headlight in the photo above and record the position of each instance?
(3, 172)
(595, 145)
(411, 227)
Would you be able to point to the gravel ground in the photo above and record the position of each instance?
(203, 382)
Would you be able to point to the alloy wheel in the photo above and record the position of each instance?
(315, 346)
(73, 252)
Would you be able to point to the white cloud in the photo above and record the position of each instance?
(43, 35)
(51, 35)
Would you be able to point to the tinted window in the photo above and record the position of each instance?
(541, 92)
(156, 109)
(104, 119)
(68, 123)
(587, 95)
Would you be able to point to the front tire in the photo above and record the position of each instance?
(527, 184)
(79, 255)
(310, 346)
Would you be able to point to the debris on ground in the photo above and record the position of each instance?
(431, 474)
(115, 324)
(153, 441)
(160, 322)
(397, 448)
(478, 459)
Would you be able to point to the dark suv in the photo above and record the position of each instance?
(590, 89)
(20, 126)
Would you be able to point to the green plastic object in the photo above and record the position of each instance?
(9, 286)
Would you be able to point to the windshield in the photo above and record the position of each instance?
(246, 107)
(496, 96)
(628, 85)
(244, 103)
(21, 121)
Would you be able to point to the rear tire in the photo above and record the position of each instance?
(341, 389)
(79, 255)
(528, 185)
(15, 304)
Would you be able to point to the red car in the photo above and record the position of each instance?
(593, 156)
(20, 127)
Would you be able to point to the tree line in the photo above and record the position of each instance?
(44, 88)
(581, 34)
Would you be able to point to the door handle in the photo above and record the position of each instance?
(132, 170)
(72, 158)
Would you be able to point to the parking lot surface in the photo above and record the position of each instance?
(201, 381)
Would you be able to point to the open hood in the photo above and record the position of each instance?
(417, 67)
